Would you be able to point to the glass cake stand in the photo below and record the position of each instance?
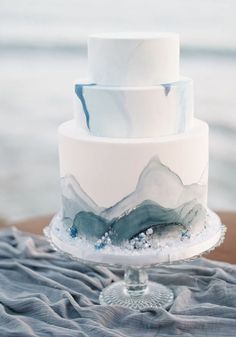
(135, 291)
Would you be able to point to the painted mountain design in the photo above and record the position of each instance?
(159, 199)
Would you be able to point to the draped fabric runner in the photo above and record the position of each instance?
(44, 294)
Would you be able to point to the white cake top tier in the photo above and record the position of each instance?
(133, 59)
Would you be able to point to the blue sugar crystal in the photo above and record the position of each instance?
(142, 235)
(73, 232)
(149, 231)
(99, 245)
(185, 234)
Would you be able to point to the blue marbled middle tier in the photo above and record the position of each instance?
(134, 112)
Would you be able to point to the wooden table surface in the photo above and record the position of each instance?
(226, 252)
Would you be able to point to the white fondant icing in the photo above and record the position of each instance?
(133, 59)
(134, 111)
(108, 168)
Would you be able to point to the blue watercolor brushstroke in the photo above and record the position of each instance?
(79, 88)
(148, 214)
(167, 88)
(131, 215)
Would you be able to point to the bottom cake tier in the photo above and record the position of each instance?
(125, 192)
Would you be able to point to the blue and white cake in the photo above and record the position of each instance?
(134, 160)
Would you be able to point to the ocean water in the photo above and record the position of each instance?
(42, 51)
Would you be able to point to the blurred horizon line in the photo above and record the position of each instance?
(81, 48)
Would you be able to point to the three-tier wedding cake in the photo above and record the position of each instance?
(134, 160)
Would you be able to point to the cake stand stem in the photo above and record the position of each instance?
(136, 281)
(136, 292)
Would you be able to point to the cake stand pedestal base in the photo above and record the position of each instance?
(136, 292)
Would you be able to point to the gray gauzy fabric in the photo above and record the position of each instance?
(44, 294)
